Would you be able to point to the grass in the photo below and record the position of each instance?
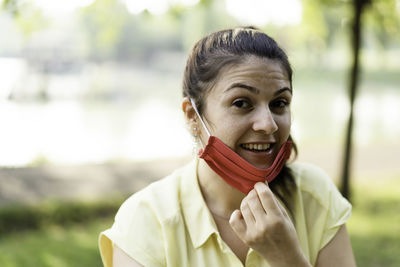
(16, 218)
(375, 225)
(54, 246)
(374, 231)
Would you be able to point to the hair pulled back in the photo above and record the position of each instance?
(219, 49)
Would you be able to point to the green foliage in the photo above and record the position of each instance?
(10, 6)
(28, 17)
(375, 223)
(18, 218)
(383, 20)
(314, 21)
(103, 21)
(109, 32)
(54, 246)
(325, 22)
(374, 231)
(113, 33)
(40, 160)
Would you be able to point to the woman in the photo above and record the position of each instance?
(239, 203)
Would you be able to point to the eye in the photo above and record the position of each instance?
(241, 103)
(280, 103)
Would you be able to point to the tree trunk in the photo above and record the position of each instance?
(358, 6)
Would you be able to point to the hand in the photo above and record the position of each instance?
(263, 224)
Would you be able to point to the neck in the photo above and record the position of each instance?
(221, 198)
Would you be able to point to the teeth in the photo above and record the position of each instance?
(256, 146)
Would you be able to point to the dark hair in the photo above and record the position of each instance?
(223, 48)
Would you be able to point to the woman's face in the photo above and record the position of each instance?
(249, 109)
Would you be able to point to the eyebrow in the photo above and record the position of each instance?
(255, 90)
(244, 86)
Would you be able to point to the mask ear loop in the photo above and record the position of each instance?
(202, 122)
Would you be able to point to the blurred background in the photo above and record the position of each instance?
(90, 95)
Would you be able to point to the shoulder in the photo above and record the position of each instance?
(313, 180)
(319, 208)
(141, 221)
(160, 198)
(307, 174)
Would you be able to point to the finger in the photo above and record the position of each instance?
(282, 206)
(267, 198)
(237, 223)
(256, 207)
(246, 213)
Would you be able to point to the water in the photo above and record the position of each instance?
(112, 112)
(75, 132)
(72, 132)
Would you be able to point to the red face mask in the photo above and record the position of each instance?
(235, 170)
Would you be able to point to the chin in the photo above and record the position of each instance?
(262, 166)
(260, 163)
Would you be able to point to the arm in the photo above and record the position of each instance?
(121, 259)
(337, 252)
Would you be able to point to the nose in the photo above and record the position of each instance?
(264, 121)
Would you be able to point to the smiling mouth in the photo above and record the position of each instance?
(257, 147)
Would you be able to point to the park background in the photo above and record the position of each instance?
(90, 97)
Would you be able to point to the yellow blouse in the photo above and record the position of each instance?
(169, 224)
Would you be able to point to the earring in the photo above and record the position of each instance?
(195, 144)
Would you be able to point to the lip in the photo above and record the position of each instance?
(260, 159)
(269, 150)
(257, 142)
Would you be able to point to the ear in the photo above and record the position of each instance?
(190, 115)
(188, 110)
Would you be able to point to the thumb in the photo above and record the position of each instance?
(237, 223)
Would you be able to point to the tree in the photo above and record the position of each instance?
(28, 17)
(383, 16)
(356, 30)
(103, 21)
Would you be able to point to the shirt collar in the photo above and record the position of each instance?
(197, 216)
(199, 221)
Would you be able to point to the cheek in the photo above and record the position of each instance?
(284, 124)
(230, 131)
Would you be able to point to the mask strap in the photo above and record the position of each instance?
(198, 115)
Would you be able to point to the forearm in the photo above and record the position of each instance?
(293, 258)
